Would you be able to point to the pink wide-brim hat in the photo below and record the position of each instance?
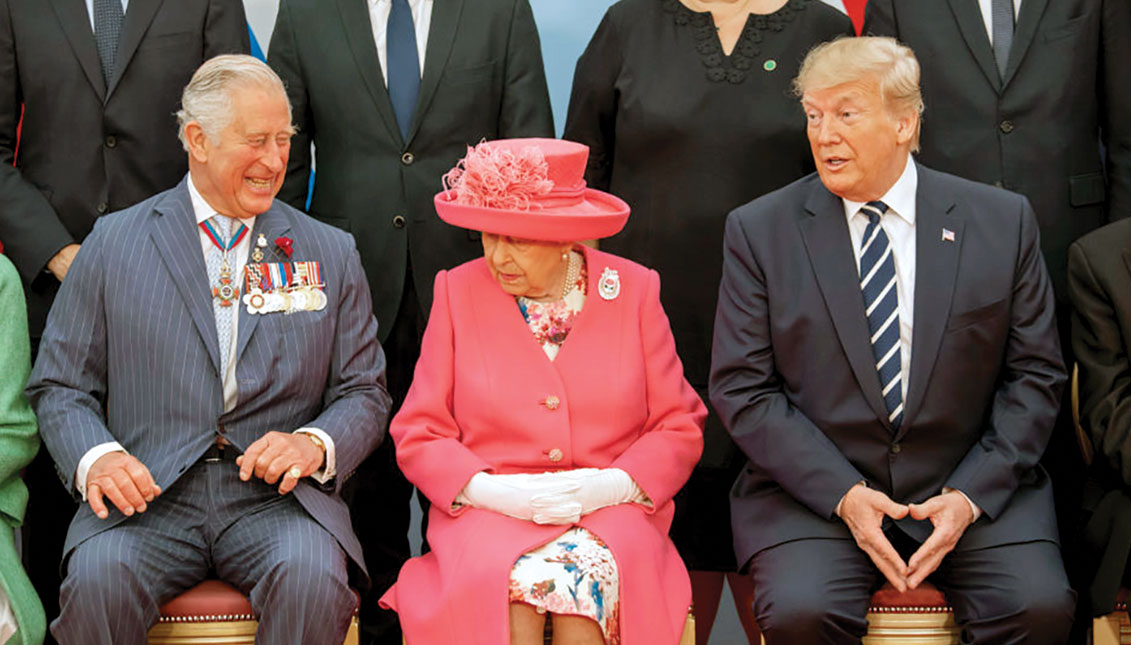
(529, 188)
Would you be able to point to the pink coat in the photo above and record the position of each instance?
(478, 403)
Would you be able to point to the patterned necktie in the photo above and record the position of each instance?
(881, 303)
(107, 27)
(1001, 15)
(223, 226)
(402, 63)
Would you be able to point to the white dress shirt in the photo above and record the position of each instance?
(236, 259)
(90, 12)
(987, 16)
(899, 225)
(379, 17)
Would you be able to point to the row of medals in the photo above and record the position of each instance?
(287, 300)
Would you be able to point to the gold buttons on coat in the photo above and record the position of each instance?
(552, 402)
(555, 455)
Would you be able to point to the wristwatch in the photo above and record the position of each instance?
(316, 441)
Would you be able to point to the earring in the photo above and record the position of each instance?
(565, 255)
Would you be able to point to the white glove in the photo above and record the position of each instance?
(603, 487)
(545, 499)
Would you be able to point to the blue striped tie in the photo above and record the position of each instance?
(881, 303)
(403, 62)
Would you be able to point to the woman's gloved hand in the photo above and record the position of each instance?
(546, 498)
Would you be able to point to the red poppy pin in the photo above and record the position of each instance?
(285, 244)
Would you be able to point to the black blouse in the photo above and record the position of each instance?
(685, 134)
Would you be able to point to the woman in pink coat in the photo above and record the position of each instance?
(548, 421)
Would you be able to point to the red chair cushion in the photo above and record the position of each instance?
(209, 598)
(216, 599)
(927, 595)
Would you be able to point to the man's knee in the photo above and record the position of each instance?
(795, 612)
(299, 581)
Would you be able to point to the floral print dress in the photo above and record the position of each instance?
(574, 574)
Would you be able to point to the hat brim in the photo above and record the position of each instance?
(597, 215)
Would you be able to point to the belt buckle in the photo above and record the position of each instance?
(215, 452)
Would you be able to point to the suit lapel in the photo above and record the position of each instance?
(936, 262)
(1028, 19)
(272, 225)
(138, 16)
(174, 232)
(829, 246)
(1127, 259)
(441, 35)
(359, 34)
(973, 28)
(75, 21)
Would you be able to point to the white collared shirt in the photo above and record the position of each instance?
(90, 12)
(379, 17)
(899, 225)
(987, 15)
(236, 259)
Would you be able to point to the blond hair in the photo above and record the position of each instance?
(207, 99)
(892, 65)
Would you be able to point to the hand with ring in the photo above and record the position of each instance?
(280, 456)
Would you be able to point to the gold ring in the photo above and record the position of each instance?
(296, 472)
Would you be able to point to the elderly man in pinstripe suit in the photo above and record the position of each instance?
(209, 375)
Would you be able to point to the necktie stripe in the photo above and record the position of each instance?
(881, 306)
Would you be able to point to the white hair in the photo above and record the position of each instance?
(207, 99)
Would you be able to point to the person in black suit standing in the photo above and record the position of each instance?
(391, 93)
(97, 85)
(1032, 96)
(1099, 272)
(886, 356)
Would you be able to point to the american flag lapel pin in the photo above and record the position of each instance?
(947, 235)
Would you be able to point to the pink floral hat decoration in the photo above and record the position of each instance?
(529, 188)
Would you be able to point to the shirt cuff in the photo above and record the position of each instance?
(329, 468)
(973, 507)
(88, 460)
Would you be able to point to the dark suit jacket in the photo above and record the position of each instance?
(87, 148)
(137, 302)
(483, 79)
(794, 381)
(1099, 283)
(1068, 81)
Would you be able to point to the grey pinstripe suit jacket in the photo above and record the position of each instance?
(130, 354)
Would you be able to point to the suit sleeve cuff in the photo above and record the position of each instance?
(88, 460)
(329, 468)
(973, 507)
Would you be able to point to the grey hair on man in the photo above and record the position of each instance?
(891, 65)
(207, 99)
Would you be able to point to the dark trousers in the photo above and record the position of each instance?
(818, 590)
(378, 495)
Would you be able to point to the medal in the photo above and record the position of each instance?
(260, 244)
(224, 290)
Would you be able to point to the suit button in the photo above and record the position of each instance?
(555, 455)
(407, 158)
(552, 402)
(398, 221)
(102, 208)
(111, 141)
(895, 448)
(998, 184)
(1006, 126)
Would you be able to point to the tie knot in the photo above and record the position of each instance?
(874, 210)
